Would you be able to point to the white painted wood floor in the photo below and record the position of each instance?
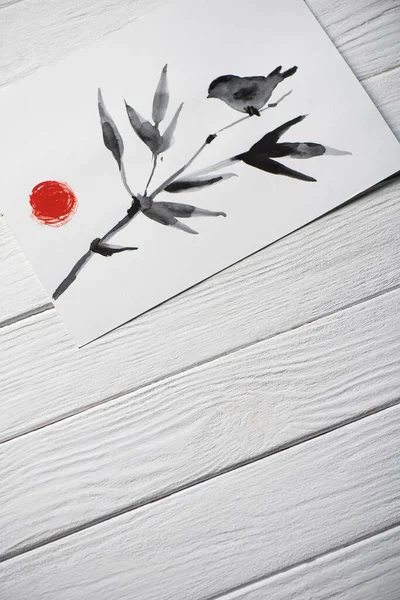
(240, 441)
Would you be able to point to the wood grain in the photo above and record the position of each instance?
(356, 29)
(20, 291)
(197, 425)
(367, 570)
(250, 523)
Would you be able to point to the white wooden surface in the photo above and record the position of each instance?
(240, 441)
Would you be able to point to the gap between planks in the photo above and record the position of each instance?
(199, 364)
(26, 315)
(165, 534)
(216, 473)
(204, 480)
(251, 585)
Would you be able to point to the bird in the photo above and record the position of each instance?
(247, 94)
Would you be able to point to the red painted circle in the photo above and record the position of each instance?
(53, 203)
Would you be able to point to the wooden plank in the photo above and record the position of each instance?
(50, 32)
(356, 29)
(352, 255)
(196, 425)
(364, 571)
(247, 524)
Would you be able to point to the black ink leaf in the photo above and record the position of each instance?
(185, 211)
(160, 213)
(145, 130)
(99, 247)
(304, 149)
(165, 213)
(297, 150)
(111, 136)
(168, 136)
(267, 143)
(335, 152)
(161, 98)
(259, 155)
(211, 169)
(189, 184)
(272, 166)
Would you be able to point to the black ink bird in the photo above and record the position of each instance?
(247, 94)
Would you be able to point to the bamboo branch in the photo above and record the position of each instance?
(70, 278)
(272, 105)
(134, 209)
(153, 170)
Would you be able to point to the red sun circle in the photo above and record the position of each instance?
(53, 203)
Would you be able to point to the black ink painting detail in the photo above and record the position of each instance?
(248, 95)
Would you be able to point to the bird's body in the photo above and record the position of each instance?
(247, 94)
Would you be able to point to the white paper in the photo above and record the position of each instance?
(51, 131)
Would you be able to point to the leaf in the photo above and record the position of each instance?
(160, 213)
(99, 247)
(216, 166)
(145, 130)
(268, 142)
(304, 150)
(176, 209)
(161, 98)
(272, 166)
(335, 152)
(192, 184)
(307, 150)
(168, 136)
(111, 136)
(185, 211)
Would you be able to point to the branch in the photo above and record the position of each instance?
(153, 170)
(272, 105)
(208, 141)
(132, 211)
(70, 278)
(135, 206)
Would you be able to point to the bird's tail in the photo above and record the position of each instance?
(289, 72)
(285, 74)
